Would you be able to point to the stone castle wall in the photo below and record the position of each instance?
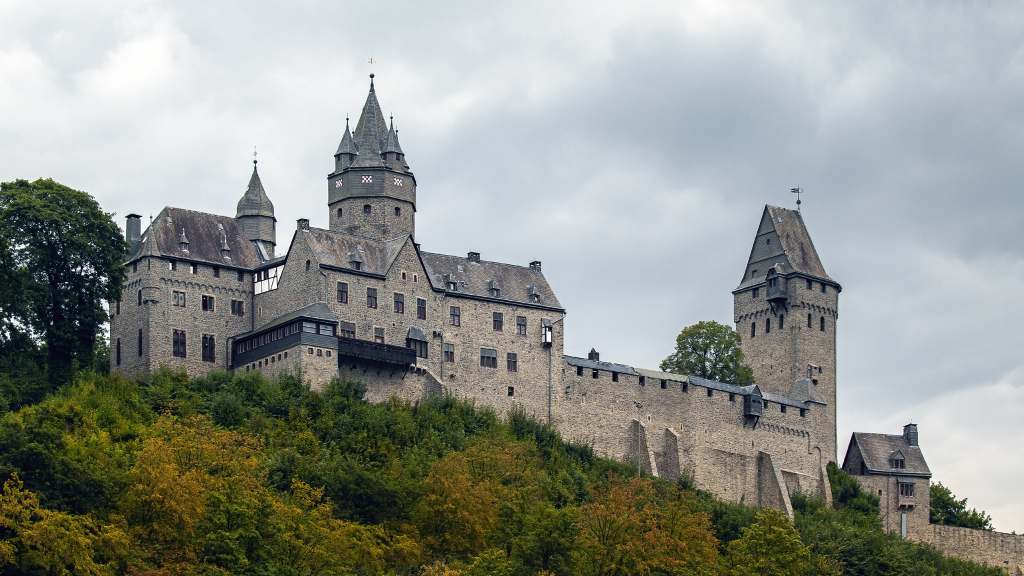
(982, 546)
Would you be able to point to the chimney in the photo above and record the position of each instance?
(133, 229)
(594, 355)
(910, 434)
(473, 256)
(535, 265)
(302, 224)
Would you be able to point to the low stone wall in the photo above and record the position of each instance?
(982, 546)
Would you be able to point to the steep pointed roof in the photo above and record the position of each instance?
(391, 141)
(371, 131)
(782, 242)
(347, 145)
(255, 201)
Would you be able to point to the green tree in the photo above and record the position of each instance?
(66, 256)
(770, 546)
(947, 509)
(709, 350)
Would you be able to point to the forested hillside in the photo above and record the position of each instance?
(240, 475)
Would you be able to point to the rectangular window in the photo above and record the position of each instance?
(118, 303)
(135, 266)
(810, 285)
(209, 352)
(754, 293)
(664, 384)
(768, 326)
(449, 352)
(172, 265)
(753, 329)
(824, 289)
(511, 391)
(192, 268)
(579, 370)
(808, 320)
(118, 351)
(498, 321)
(906, 489)
(139, 344)
(371, 297)
(488, 358)
(241, 276)
(237, 308)
(615, 376)
(179, 298)
(216, 272)
(782, 408)
(418, 345)
(208, 303)
(521, 325)
(803, 412)
(309, 327)
(822, 326)
(455, 315)
(782, 321)
(512, 362)
(378, 334)
(342, 292)
(346, 330)
(421, 309)
(179, 343)
(732, 397)
(399, 303)
(710, 392)
(325, 329)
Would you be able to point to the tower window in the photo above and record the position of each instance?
(139, 343)
(808, 320)
(810, 285)
(664, 384)
(307, 265)
(755, 293)
(140, 297)
(615, 376)
(824, 289)
(822, 324)
(398, 211)
(209, 304)
(767, 325)
(782, 321)
(579, 371)
(118, 351)
(339, 212)
(216, 272)
(193, 268)
(511, 391)
(366, 209)
(753, 329)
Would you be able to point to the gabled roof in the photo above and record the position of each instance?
(782, 242)
(207, 234)
(337, 250)
(473, 278)
(371, 130)
(255, 202)
(876, 451)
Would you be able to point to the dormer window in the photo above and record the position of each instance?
(897, 461)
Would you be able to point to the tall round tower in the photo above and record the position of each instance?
(785, 310)
(371, 192)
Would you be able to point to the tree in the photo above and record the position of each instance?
(709, 350)
(947, 509)
(65, 254)
(770, 546)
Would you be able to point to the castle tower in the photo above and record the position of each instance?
(785, 310)
(255, 215)
(371, 192)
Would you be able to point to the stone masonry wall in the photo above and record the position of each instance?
(999, 549)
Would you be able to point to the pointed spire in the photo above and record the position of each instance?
(347, 145)
(391, 141)
(371, 131)
(255, 201)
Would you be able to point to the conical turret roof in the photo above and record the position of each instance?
(255, 201)
(391, 141)
(371, 131)
(347, 145)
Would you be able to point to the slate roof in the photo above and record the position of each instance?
(876, 449)
(255, 202)
(316, 311)
(659, 375)
(347, 145)
(475, 278)
(797, 253)
(338, 250)
(371, 130)
(599, 365)
(206, 234)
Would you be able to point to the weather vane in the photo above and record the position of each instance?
(797, 191)
(371, 61)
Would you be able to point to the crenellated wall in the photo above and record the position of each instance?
(982, 546)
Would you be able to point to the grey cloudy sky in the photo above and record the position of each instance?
(630, 146)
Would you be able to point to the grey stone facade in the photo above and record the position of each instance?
(362, 300)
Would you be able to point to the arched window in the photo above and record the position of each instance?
(366, 209)
(822, 327)
(339, 212)
(753, 329)
(398, 211)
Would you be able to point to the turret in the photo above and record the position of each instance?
(255, 215)
(371, 192)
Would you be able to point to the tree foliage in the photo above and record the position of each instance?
(709, 350)
(947, 509)
(61, 258)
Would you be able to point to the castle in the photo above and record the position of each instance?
(362, 300)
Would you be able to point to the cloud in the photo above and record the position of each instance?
(629, 146)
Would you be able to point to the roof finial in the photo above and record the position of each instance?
(371, 77)
(254, 158)
(798, 190)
